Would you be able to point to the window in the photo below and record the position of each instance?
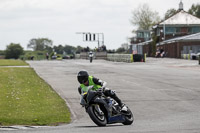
(146, 35)
(158, 32)
(140, 35)
(194, 29)
(178, 30)
(170, 30)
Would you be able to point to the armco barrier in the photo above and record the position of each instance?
(120, 57)
(77, 56)
(101, 55)
(83, 55)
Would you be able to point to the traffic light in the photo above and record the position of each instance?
(90, 37)
(94, 39)
(86, 37)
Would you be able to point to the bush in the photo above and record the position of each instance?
(38, 55)
(2, 52)
(13, 51)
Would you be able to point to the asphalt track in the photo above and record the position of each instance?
(163, 94)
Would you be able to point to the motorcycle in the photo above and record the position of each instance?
(91, 56)
(91, 59)
(104, 110)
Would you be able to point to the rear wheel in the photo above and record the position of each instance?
(97, 115)
(128, 117)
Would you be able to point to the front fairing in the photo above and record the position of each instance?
(91, 95)
(88, 97)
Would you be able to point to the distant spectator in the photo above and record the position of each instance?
(95, 49)
(32, 57)
(162, 54)
(103, 48)
(47, 56)
(158, 53)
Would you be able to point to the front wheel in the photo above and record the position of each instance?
(97, 116)
(90, 59)
(128, 117)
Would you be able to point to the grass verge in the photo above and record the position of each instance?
(4, 62)
(25, 99)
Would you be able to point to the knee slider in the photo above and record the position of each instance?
(112, 93)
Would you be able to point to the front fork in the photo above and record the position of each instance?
(98, 109)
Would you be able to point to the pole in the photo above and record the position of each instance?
(102, 38)
(98, 40)
(164, 31)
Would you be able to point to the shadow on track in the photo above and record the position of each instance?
(107, 126)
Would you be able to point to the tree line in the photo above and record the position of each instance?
(14, 50)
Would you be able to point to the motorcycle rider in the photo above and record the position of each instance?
(86, 80)
(91, 56)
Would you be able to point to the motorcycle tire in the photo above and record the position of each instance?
(128, 118)
(99, 120)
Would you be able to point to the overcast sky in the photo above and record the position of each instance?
(59, 20)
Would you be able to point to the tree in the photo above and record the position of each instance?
(2, 52)
(58, 49)
(49, 49)
(111, 51)
(170, 13)
(67, 48)
(153, 45)
(13, 51)
(40, 44)
(121, 50)
(195, 10)
(79, 49)
(144, 17)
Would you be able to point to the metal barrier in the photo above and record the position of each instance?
(120, 57)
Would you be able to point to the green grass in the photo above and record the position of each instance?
(4, 62)
(25, 99)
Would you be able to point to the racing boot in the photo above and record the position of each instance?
(123, 107)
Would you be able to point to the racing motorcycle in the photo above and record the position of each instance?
(104, 110)
(91, 56)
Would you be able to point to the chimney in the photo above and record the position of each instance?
(181, 5)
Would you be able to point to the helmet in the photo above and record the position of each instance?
(82, 77)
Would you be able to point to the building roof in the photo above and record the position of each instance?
(181, 18)
(192, 37)
(145, 43)
(143, 31)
